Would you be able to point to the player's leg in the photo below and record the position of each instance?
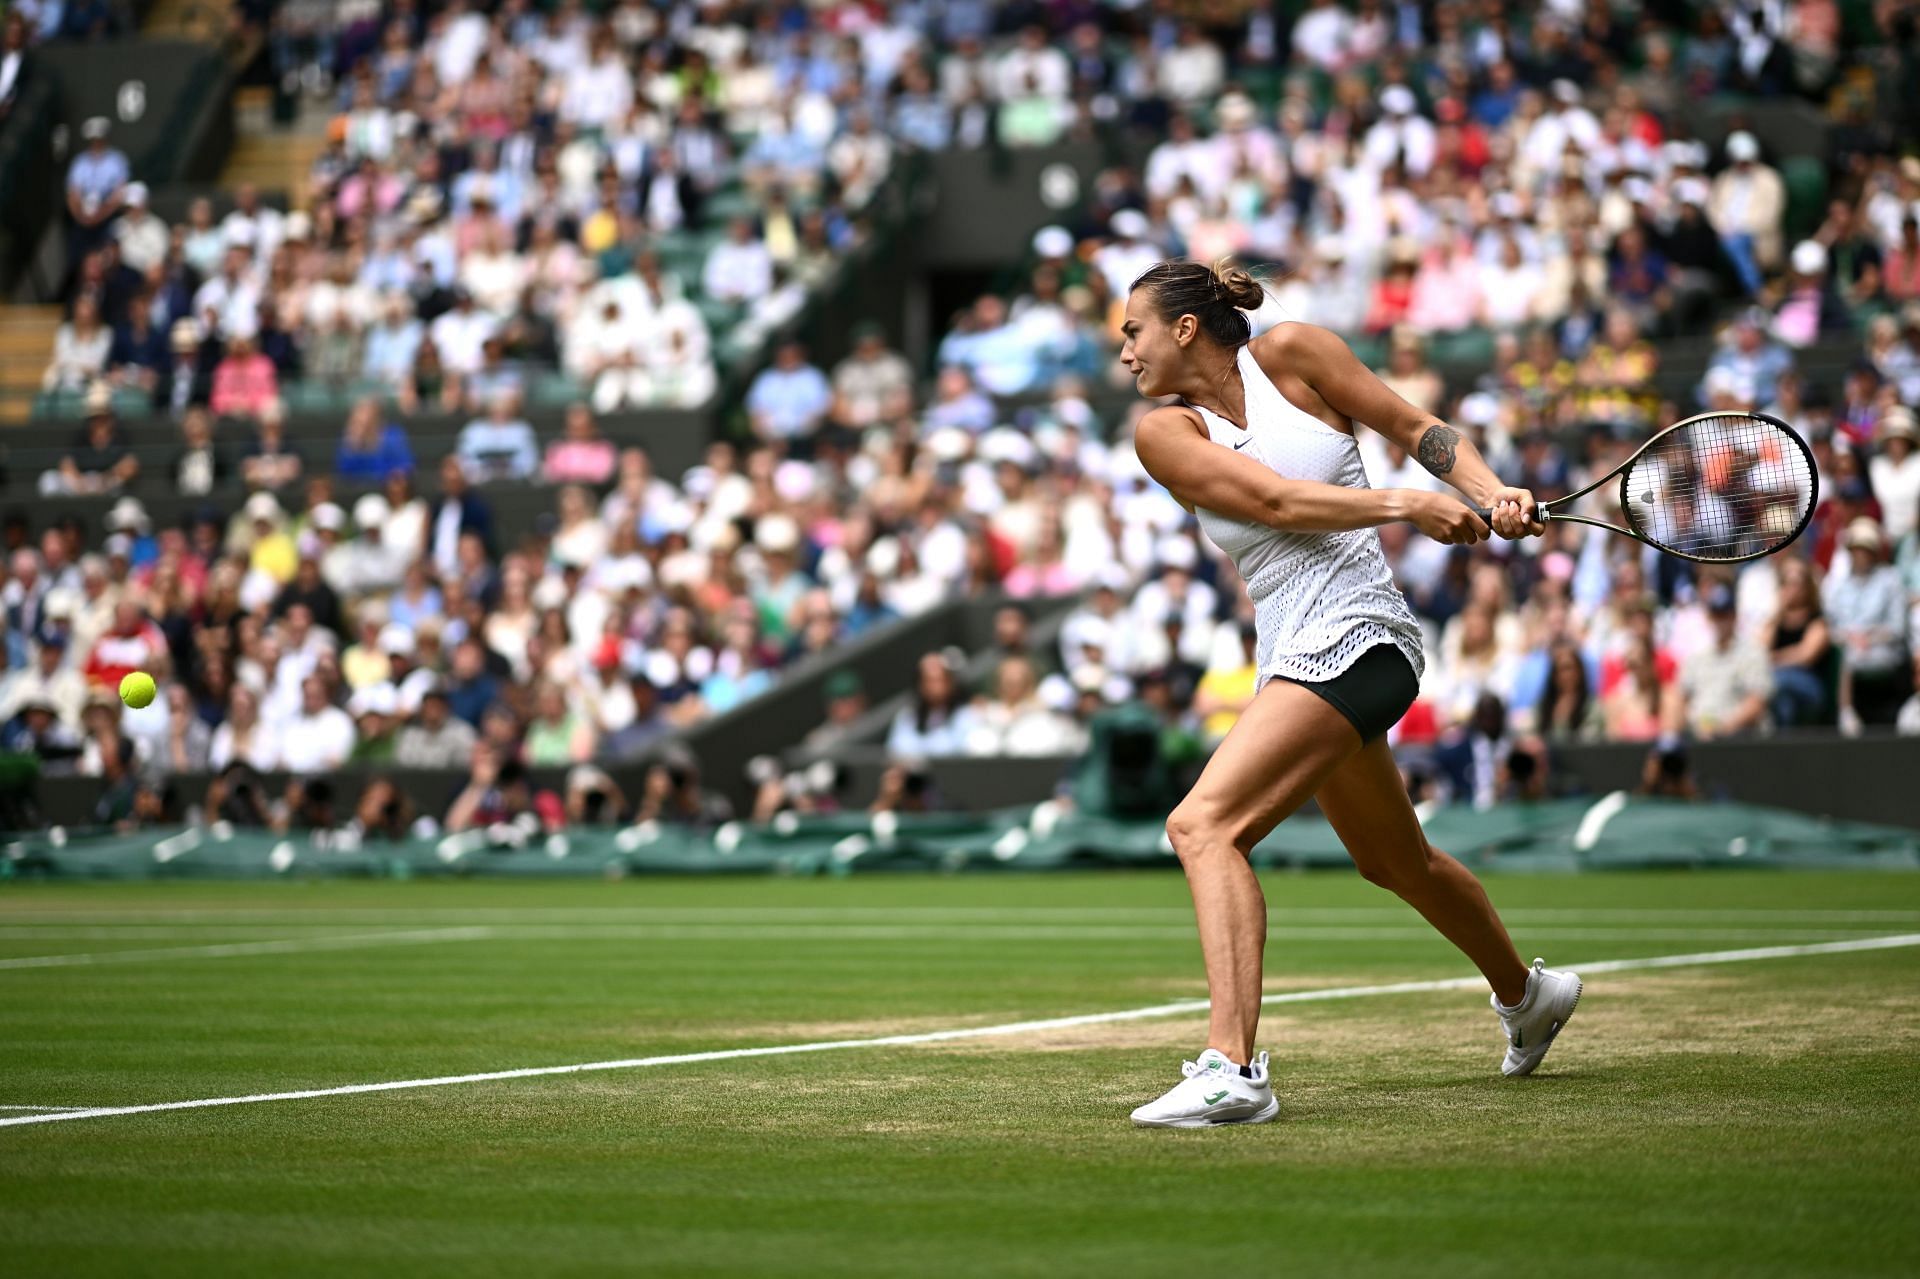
(1278, 753)
(1367, 804)
(1370, 812)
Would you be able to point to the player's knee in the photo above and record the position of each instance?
(1194, 834)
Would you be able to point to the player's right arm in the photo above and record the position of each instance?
(1174, 448)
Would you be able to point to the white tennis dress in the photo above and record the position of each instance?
(1320, 599)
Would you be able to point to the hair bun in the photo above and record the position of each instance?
(1239, 287)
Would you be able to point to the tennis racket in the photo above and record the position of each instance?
(1720, 488)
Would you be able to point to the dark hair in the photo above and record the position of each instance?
(1214, 295)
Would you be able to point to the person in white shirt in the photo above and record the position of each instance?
(1895, 471)
(459, 334)
(231, 298)
(320, 737)
(143, 237)
(1033, 61)
(1322, 35)
(739, 268)
(1400, 134)
(1194, 69)
(599, 93)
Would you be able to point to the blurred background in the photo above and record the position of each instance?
(539, 417)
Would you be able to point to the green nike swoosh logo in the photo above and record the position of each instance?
(1215, 1099)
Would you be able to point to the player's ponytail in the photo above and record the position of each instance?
(1217, 296)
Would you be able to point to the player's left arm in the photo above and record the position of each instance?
(1324, 362)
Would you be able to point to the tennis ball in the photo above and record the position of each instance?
(137, 690)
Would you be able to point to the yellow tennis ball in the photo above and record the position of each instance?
(137, 690)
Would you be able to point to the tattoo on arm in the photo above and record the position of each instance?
(1438, 448)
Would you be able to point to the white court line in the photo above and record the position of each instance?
(49, 1107)
(1282, 934)
(226, 950)
(972, 1032)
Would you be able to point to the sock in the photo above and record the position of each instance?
(1246, 1072)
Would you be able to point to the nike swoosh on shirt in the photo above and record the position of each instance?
(1242, 444)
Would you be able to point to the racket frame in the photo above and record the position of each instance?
(1546, 512)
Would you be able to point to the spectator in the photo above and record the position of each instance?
(437, 738)
(457, 514)
(501, 445)
(789, 400)
(101, 462)
(242, 738)
(1895, 471)
(873, 384)
(499, 793)
(1016, 721)
(245, 383)
(1746, 208)
(1724, 687)
(369, 449)
(319, 737)
(935, 723)
(1867, 612)
(581, 455)
(270, 462)
(1638, 703)
(1800, 645)
(739, 268)
(96, 182)
(80, 349)
(557, 734)
(142, 237)
(672, 794)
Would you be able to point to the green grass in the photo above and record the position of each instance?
(1752, 1118)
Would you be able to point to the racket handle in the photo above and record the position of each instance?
(1540, 512)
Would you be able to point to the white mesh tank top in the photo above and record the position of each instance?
(1320, 599)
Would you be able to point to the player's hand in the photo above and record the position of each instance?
(1446, 519)
(1515, 513)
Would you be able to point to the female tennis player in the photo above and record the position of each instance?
(1260, 448)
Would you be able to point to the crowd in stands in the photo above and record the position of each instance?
(497, 195)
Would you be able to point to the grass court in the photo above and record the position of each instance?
(1754, 1117)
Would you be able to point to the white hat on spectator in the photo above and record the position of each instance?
(329, 518)
(396, 640)
(262, 506)
(375, 699)
(883, 558)
(299, 225)
(1692, 190)
(549, 593)
(1005, 444)
(1330, 248)
(95, 126)
(661, 669)
(1397, 99)
(308, 545)
(127, 513)
(239, 235)
(61, 601)
(1742, 146)
(119, 547)
(1480, 409)
(950, 443)
(1130, 224)
(1810, 257)
(134, 193)
(1057, 693)
(1638, 190)
(1052, 242)
(258, 589)
(1111, 577)
(776, 534)
(1863, 533)
(99, 399)
(1175, 551)
(371, 512)
(1236, 111)
(1897, 423)
(1566, 91)
(628, 573)
(794, 481)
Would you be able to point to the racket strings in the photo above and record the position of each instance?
(1724, 487)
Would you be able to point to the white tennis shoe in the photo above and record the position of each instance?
(1213, 1092)
(1543, 1010)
